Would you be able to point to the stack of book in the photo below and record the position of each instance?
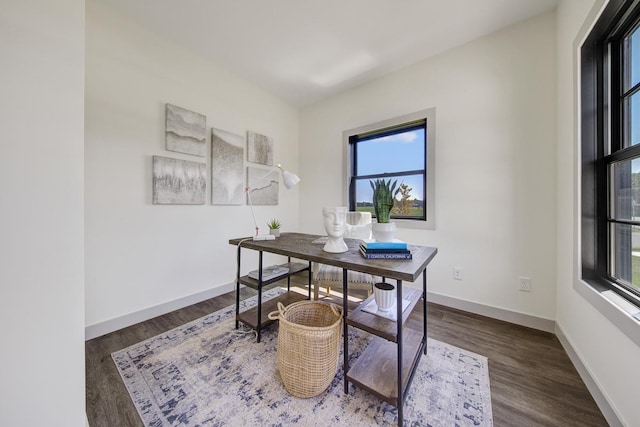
(269, 273)
(396, 249)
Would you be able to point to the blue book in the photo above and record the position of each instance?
(384, 251)
(394, 244)
(387, 256)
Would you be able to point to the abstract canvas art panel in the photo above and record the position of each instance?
(263, 186)
(259, 148)
(186, 131)
(227, 178)
(178, 182)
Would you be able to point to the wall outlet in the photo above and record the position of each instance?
(457, 273)
(524, 284)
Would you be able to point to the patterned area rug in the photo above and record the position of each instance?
(206, 373)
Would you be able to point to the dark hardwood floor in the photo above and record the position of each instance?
(533, 382)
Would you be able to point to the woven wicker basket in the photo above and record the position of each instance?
(308, 345)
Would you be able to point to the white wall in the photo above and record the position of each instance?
(610, 358)
(495, 156)
(41, 226)
(140, 255)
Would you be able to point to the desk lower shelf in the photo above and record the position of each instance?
(380, 326)
(376, 369)
(294, 268)
(250, 317)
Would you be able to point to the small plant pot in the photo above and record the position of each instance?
(384, 231)
(384, 295)
(274, 232)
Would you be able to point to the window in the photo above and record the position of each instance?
(401, 150)
(610, 71)
(396, 154)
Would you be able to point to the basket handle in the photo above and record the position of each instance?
(278, 314)
(336, 309)
(275, 315)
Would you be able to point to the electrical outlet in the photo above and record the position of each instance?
(524, 283)
(457, 273)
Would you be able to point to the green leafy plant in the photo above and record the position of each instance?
(383, 198)
(274, 224)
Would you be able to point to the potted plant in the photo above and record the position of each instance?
(383, 197)
(274, 227)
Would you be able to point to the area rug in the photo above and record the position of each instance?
(207, 373)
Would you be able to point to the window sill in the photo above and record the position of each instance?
(624, 315)
(415, 224)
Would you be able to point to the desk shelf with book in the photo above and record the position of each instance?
(257, 317)
(380, 325)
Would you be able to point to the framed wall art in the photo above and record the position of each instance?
(263, 186)
(178, 182)
(227, 178)
(259, 148)
(186, 131)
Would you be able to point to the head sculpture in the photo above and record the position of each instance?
(335, 224)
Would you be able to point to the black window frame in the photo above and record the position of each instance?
(602, 145)
(380, 133)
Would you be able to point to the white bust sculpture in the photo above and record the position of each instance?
(335, 223)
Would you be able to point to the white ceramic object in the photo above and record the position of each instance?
(384, 295)
(384, 232)
(335, 224)
(274, 232)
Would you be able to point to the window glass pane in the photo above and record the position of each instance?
(632, 120)
(625, 202)
(626, 254)
(394, 153)
(632, 60)
(409, 200)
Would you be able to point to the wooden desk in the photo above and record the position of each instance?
(395, 341)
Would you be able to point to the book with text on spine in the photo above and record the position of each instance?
(391, 314)
(388, 255)
(269, 272)
(394, 244)
(384, 251)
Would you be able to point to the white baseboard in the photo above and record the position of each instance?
(521, 319)
(602, 402)
(111, 325)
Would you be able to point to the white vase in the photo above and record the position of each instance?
(384, 232)
(385, 295)
(274, 232)
(335, 224)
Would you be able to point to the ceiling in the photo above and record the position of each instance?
(304, 51)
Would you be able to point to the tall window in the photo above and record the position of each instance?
(611, 151)
(399, 150)
(396, 154)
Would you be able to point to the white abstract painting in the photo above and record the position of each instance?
(178, 182)
(186, 131)
(259, 148)
(227, 178)
(263, 188)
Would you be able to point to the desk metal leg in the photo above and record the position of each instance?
(400, 343)
(345, 332)
(259, 328)
(310, 280)
(424, 311)
(238, 289)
